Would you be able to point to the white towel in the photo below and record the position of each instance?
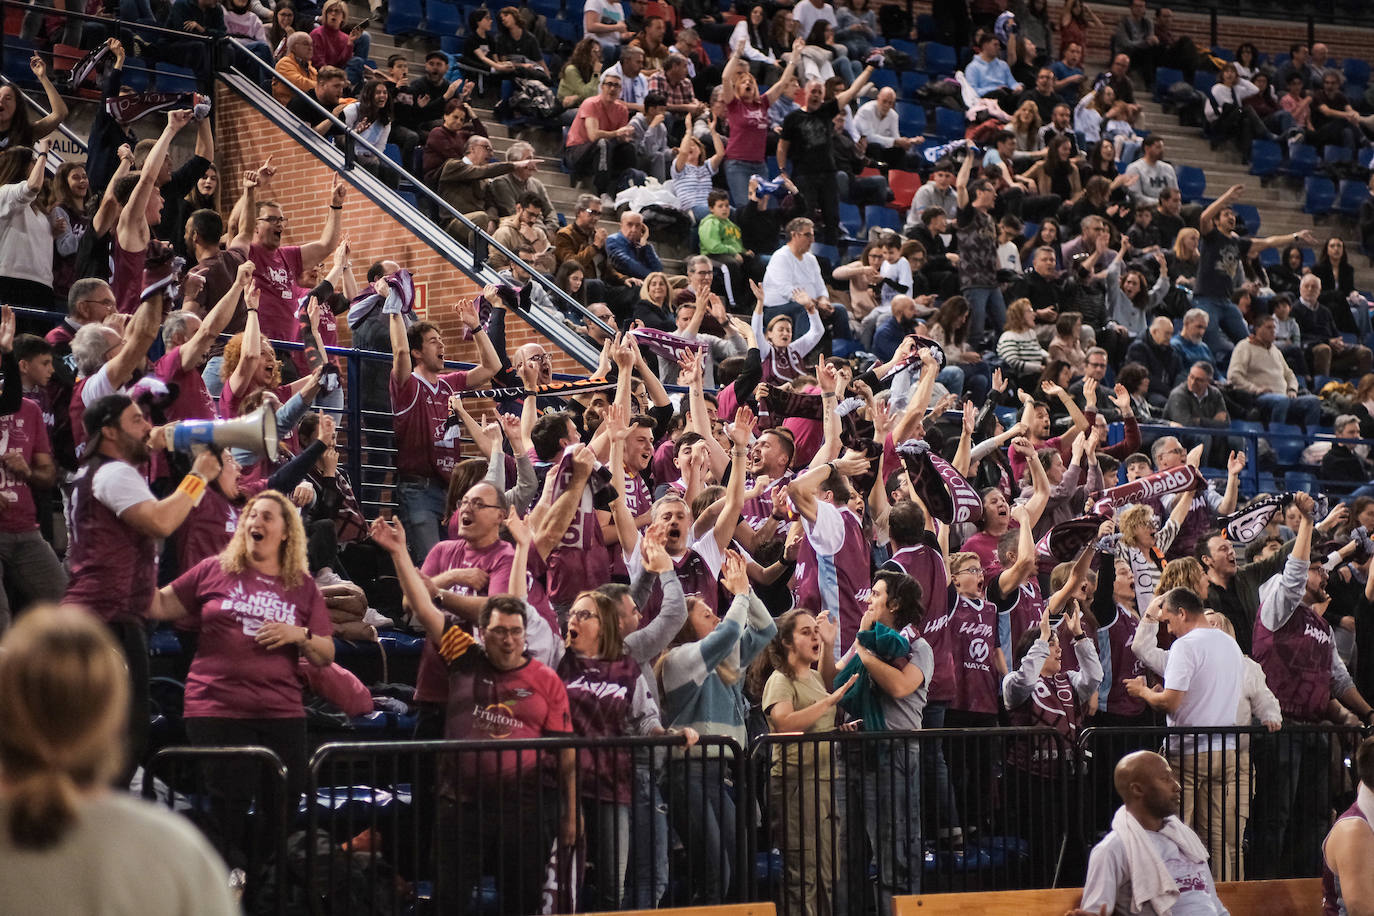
(1150, 880)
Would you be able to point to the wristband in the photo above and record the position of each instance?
(339, 207)
(193, 485)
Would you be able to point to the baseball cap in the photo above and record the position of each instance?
(104, 412)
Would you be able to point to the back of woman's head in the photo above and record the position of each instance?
(64, 695)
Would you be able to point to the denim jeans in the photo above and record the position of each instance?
(1226, 327)
(970, 379)
(647, 876)
(356, 64)
(935, 770)
(703, 814)
(984, 302)
(210, 375)
(422, 514)
(892, 819)
(1308, 408)
(737, 175)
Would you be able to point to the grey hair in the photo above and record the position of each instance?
(82, 289)
(694, 260)
(89, 347)
(519, 150)
(177, 324)
(1195, 313)
(1158, 447)
(587, 201)
(1345, 419)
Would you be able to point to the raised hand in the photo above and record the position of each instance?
(652, 551)
(734, 574)
(1051, 389)
(999, 381)
(828, 624)
(743, 427)
(6, 329)
(518, 528)
(852, 464)
(388, 535)
(1235, 463)
(338, 192)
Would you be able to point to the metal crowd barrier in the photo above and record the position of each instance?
(835, 821)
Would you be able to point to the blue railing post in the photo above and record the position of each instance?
(354, 407)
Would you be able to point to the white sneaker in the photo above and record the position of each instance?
(327, 576)
(608, 201)
(375, 618)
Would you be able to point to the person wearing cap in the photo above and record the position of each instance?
(1293, 644)
(431, 93)
(115, 525)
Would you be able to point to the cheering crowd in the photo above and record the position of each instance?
(925, 489)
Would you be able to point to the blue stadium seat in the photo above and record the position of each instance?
(1288, 441)
(1356, 74)
(827, 252)
(444, 18)
(911, 81)
(1265, 158)
(1300, 480)
(911, 118)
(1029, 228)
(1333, 154)
(926, 28)
(1303, 160)
(906, 46)
(1203, 81)
(136, 72)
(1366, 158)
(171, 78)
(403, 16)
(851, 221)
(1223, 53)
(568, 31)
(1267, 483)
(1164, 78)
(1269, 257)
(714, 53)
(940, 60)
(1319, 195)
(949, 124)
(884, 78)
(1249, 215)
(1192, 182)
(879, 217)
(1352, 194)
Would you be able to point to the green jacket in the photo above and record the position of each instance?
(719, 236)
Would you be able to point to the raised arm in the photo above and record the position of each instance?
(844, 98)
(1207, 220)
(194, 350)
(1281, 595)
(775, 91)
(316, 251)
(132, 231)
(961, 179)
(549, 532)
(740, 432)
(57, 107)
(1014, 576)
(1040, 498)
(250, 354)
(391, 537)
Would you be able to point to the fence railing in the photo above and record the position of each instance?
(837, 820)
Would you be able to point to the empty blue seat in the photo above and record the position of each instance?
(1265, 158)
(1164, 78)
(713, 52)
(1351, 195)
(1334, 154)
(906, 46)
(911, 119)
(444, 18)
(171, 78)
(911, 81)
(1249, 215)
(1203, 82)
(568, 31)
(1029, 228)
(926, 28)
(826, 252)
(879, 217)
(940, 60)
(949, 124)
(1303, 160)
(851, 221)
(884, 78)
(1223, 53)
(1287, 441)
(1319, 195)
(1300, 480)
(403, 16)
(1267, 483)
(1192, 181)
(1366, 157)
(1269, 257)
(1356, 72)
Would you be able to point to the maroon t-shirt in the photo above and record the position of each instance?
(275, 273)
(748, 129)
(431, 681)
(193, 401)
(22, 431)
(207, 530)
(232, 676)
(420, 416)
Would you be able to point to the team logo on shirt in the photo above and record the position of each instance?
(496, 719)
(253, 610)
(979, 652)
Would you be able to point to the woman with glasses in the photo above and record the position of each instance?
(1144, 542)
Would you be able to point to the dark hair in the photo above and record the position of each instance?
(906, 522)
(655, 100)
(28, 346)
(123, 188)
(415, 334)
(1065, 323)
(207, 224)
(548, 432)
(816, 37)
(716, 196)
(838, 485)
(581, 57)
(1131, 375)
(952, 308)
(367, 104)
(1202, 552)
(685, 441)
(903, 596)
(501, 604)
(1183, 600)
(784, 437)
(1024, 643)
(376, 271)
(392, 58)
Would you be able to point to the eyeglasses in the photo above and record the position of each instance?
(477, 504)
(1097, 365)
(505, 632)
(582, 615)
(274, 220)
(595, 211)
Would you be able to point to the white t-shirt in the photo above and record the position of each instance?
(807, 13)
(1208, 666)
(606, 10)
(119, 485)
(1109, 879)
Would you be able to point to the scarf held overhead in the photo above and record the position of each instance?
(1174, 480)
(949, 497)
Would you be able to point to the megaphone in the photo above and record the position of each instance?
(256, 432)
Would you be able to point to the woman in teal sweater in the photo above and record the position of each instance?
(701, 683)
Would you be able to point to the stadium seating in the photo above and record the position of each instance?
(1351, 196)
(1266, 158)
(1319, 195)
(940, 60)
(1303, 160)
(1192, 182)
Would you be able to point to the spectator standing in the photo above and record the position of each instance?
(26, 261)
(747, 117)
(977, 234)
(335, 48)
(1294, 646)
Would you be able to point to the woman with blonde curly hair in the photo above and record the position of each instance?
(259, 615)
(251, 365)
(1144, 542)
(64, 699)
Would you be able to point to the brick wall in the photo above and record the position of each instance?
(301, 186)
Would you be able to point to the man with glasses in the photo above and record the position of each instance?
(276, 266)
(464, 185)
(495, 813)
(1207, 504)
(598, 142)
(1095, 367)
(585, 241)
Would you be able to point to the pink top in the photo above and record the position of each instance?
(193, 400)
(612, 116)
(748, 129)
(332, 48)
(24, 432)
(232, 676)
(420, 415)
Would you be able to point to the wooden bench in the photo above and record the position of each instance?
(1298, 897)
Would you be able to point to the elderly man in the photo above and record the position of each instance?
(630, 251)
(1118, 76)
(877, 123)
(1148, 822)
(1206, 504)
(1189, 342)
(295, 68)
(1152, 350)
(507, 189)
(463, 185)
(598, 143)
(1325, 347)
(1135, 37)
(793, 280)
(1258, 369)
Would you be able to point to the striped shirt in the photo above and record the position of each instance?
(692, 184)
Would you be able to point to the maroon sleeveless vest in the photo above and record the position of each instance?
(1297, 663)
(113, 567)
